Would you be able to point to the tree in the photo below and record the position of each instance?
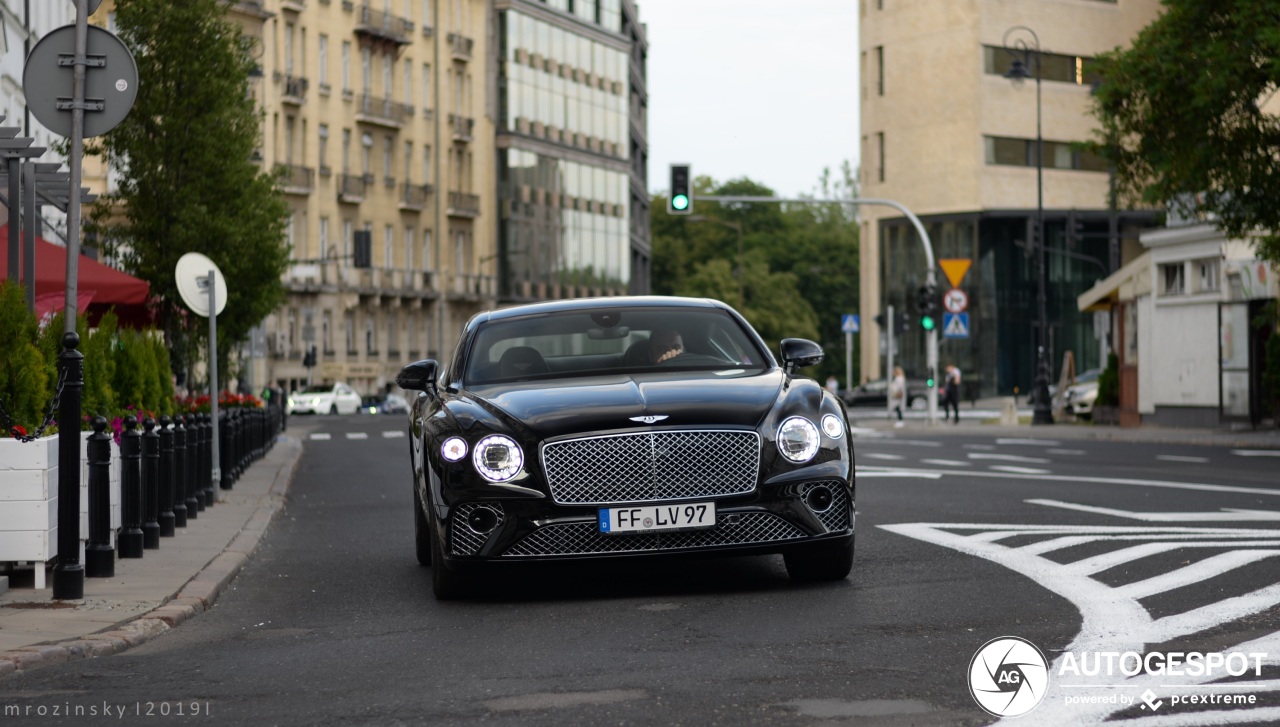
(1182, 115)
(187, 182)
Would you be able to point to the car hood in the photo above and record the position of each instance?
(556, 408)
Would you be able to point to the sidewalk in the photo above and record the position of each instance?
(150, 595)
(982, 419)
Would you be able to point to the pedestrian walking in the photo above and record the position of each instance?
(951, 393)
(898, 394)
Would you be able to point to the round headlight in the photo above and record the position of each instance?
(832, 425)
(497, 458)
(454, 449)
(798, 439)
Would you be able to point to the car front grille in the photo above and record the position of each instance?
(584, 538)
(647, 466)
(835, 517)
(465, 540)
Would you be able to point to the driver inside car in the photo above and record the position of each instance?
(664, 345)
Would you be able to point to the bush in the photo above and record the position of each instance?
(1109, 383)
(24, 378)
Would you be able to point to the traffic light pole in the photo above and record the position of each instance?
(930, 275)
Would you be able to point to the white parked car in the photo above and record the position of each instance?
(324, 399)
(1081, 395)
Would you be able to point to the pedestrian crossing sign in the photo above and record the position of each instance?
(955, 325)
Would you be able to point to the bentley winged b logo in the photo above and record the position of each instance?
(649, 419)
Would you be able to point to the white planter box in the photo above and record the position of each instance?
(29, 503)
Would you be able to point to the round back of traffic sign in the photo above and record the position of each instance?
(110, 81)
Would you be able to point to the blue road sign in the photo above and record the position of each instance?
(955, 325)
(849, 323)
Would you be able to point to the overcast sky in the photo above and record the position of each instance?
(757, 88)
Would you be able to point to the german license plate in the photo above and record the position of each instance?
(658, 518)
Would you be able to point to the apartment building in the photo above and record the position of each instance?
(947, 134)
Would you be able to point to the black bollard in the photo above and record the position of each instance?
(130, 540)
(195, 443)
(68, 574)
(99, 556)
(224, 451)
(150, 485)
(206, 449)
(180, 514)
(164, 500)
(193, 450)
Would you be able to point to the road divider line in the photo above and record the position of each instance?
(1226, 514)
(1018, 470)
(1126, 482)
(392, 434)
(1256, 452)
(1029, 442)
(946, 462)
(1008, 458)
(321, 436)
(357, 435)
(1181, 458)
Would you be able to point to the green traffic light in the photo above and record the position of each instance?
(680, 202)
(929, 383)
(927, 323)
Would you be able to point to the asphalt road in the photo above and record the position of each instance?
(960, 541)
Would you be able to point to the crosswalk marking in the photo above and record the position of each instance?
(1031, 442)
(357, 435)
(392, 434)
(1007, 458)
(320, 436)
(1180, 458)
(946, 462)
(1018, 470)
(877, 455)
(1256, 452)
(1068, 452)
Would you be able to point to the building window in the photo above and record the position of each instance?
(427, 262)
(1079, 70)
(393, 339)
(366, 70)
(346, 151)
(346, 65)
(1172, 279)
(324, 148)
(323, 71)
(408, 248)
(388, 143)
(880, 70)
(880, 155)
(370, 336)
(426, 85)
(349, 322)
(366, 155)
(325, 252)
(288, 236)
(1208, 270)
(408, 81)
(1007, 151)
(326, 333)
(408, 162)
(388, 246)
(346, 242)
(426, 164)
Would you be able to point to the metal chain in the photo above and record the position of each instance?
(9, 426)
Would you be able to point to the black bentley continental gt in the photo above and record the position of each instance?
(625, 427)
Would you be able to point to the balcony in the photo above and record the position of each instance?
(381, 112)
(461, 126)
(471, 286)
(296, 179)
(460, 46)
(413, 197)
(251, 8)
(294, 6)
(462, 204)
(379, 25)
(351, 188)
(295, 90)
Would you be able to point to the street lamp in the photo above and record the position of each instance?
(1023, 55)
(742, 273)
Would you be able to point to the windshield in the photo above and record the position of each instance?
(318, 389)
(609, 341)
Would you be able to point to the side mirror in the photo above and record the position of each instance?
(418, 376)
(797, 353)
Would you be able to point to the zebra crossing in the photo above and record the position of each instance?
(327, 436)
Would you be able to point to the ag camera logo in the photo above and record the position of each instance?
(1008, 676)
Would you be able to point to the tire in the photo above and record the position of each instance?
(333, 409)
(421, 531)
(817, 564)
(448, 585)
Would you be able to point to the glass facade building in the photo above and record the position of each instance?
(566, 134)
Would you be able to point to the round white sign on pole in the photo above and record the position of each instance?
(955, 301)
(192, 275)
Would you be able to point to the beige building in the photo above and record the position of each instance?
(485, 152)
(945, 133)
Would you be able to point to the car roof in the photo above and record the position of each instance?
(627, 301)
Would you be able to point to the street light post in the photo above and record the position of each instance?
(1022, 54)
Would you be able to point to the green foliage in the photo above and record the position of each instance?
(1181, 116)
(188, 183)
(100, 368)
(1109, 383)
(24, 381)
(164, 375)
(800, 261)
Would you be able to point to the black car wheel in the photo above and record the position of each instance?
(333, 409)
(445, 583)
(828, 562)
(421, 531)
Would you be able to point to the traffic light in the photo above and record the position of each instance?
(1075, 228)
(928, 378)
(927, 305)
(681, 200)
(904, 322)
(880, 320)
(309, 358)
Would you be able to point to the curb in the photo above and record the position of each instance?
(195, 596)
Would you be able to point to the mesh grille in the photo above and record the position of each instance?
(836, 517)
(465, 540)
(646, 466)
(585, 538)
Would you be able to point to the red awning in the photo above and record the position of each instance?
(98, 287)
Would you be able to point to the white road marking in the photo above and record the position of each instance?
(912, 442)
(946, 462)
(1112, 619)
(877, 455)
(1008, 458)
(1018, 470)
(1226, 514)
(905, 474)
(1030, 442)
(1256, 452)
(1166, 484)
(320, 436)
(392, 434)
(357, 435)
(1180, 458)
(983, 447)
(1071, 452)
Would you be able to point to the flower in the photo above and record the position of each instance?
(17, 431)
